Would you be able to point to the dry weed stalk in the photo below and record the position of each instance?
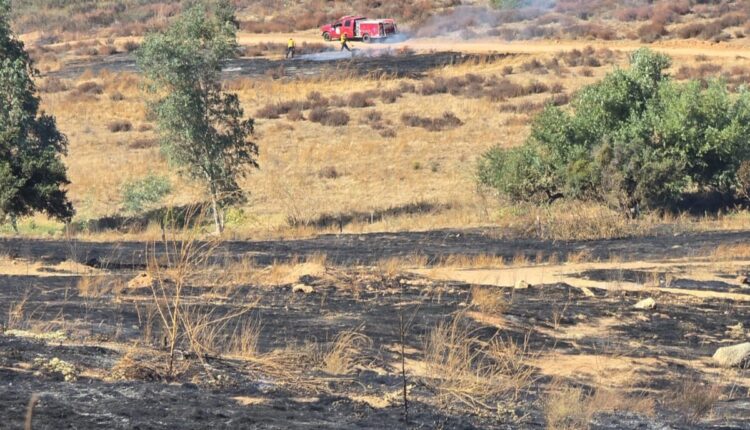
(181, 262)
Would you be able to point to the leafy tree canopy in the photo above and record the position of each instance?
(635, 140)
(203, 130)
(32, 174)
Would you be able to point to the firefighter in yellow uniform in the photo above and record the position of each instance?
(343, 42)
(290, 48)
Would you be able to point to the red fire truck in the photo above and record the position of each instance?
(360, 28)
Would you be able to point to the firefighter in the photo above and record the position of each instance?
(290, 48)
(343, 42)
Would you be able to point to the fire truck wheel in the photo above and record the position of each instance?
(366, 38)
(326, 37)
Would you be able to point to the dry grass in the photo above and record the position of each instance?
(480, 261)
(465, 370)
(98, 285)
(294, 152)
(288, 193)
(345, 352)
(488, 300)
(732, 252)
(693, 399)
(572, 408)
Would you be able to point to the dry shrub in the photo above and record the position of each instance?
(328, 172)
(116, 96)
(387, 133)
(345, 352)
(436, 86)
(641, 13)
(468, 371)
(534, 66)
(389, 96)
(488, 300)
(693, 399)
(359, 100)
(446, 122)
(119, 126)
(329, 117)
(652, 32)
(592, 31)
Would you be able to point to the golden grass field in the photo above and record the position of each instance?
(308, 170)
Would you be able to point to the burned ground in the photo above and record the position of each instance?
(385, 63)
(591, 337)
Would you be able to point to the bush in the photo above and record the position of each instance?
(119, 126)
(89, 88)
(329, 117)
(141, 194)
(359, 100)
(447, 121)
(635, 140)
(649, 33)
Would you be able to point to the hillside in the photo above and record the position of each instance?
(642, 20)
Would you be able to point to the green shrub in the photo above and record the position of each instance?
(141, 194)
(635, 140)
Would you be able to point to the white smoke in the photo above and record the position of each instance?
(467, 21)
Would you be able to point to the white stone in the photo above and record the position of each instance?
(733, 356)
(648, 303)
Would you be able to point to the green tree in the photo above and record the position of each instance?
(32, 174)
(634, 140)
(203, 130)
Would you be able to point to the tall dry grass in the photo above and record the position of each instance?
(468, 371)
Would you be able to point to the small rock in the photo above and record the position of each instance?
(733, 356)
(302, 288)
(521, 285)
(646, 304)
(142, 280)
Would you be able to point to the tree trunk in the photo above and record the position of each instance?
(215, 209)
